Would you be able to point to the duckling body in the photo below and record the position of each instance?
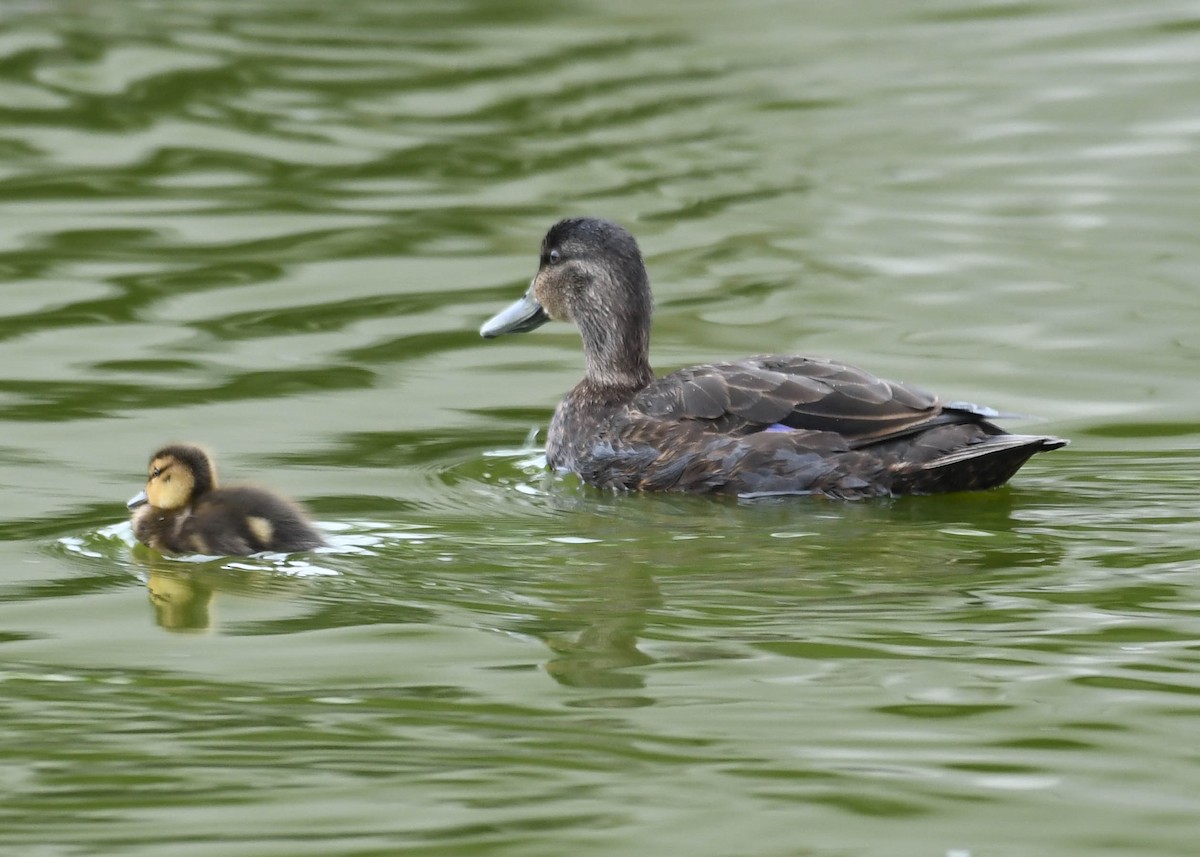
(774, 424)
(183, 511)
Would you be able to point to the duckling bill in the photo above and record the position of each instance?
(182, 510)
(764, 425)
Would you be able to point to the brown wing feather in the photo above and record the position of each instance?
(803, 393)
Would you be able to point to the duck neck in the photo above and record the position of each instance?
(617, 357)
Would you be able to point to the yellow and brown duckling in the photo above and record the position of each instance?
(183, 511)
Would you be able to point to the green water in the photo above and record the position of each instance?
(275, 228)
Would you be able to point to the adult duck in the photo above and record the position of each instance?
(760, 426)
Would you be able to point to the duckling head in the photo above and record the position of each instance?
(591, 273)
(177, 475)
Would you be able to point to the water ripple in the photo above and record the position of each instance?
(275, 228)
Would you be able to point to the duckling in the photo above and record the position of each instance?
(761, 426)
(183, 511)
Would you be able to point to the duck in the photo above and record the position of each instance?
(182, 510)
(761, 426)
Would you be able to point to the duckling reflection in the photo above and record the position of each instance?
(183, 511)
(186, 596)
(181, 602)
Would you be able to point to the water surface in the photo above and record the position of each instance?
(275, 228)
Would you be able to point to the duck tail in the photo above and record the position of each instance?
(986, 464)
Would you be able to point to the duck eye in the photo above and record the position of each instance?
(553, 257)
(154, 473)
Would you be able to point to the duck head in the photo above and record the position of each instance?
(177, 475)
(590, 273)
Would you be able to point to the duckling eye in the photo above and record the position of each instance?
(154, 473)
(553, 257)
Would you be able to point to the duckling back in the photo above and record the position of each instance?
(244, 520)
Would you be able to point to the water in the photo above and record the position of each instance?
(275, 228)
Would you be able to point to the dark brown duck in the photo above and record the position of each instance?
(183, 511)
(765, 425)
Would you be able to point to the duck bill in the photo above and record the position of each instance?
(139, 499)
(521, 317)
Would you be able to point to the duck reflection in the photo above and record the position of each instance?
(775, 570)
(614, 608)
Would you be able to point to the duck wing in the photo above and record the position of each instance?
(779, 393)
